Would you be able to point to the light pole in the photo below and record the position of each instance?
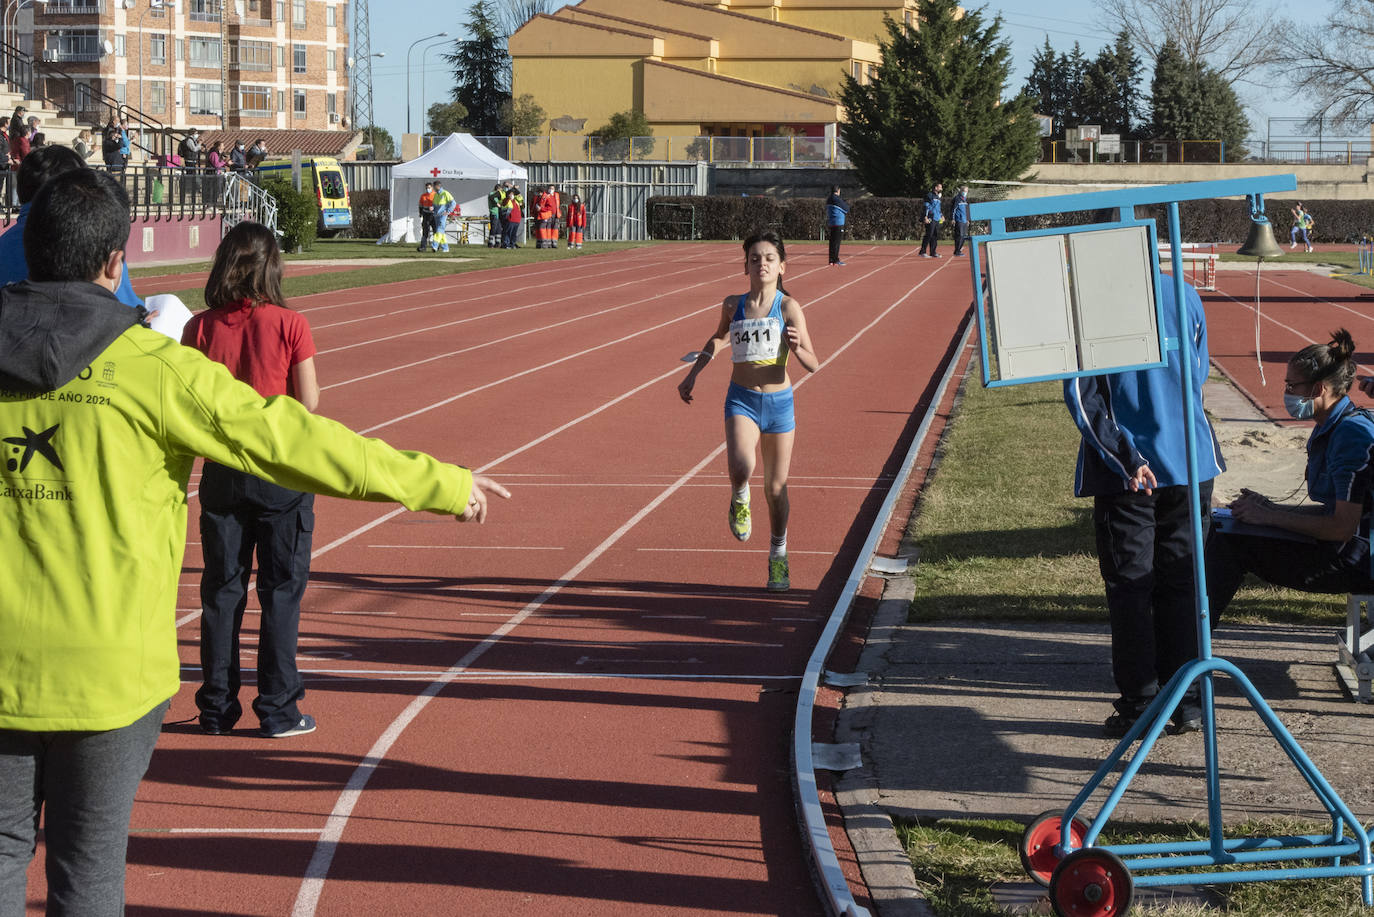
(408, 50)
(423, 54)
(10, 20)
(152, 5)
(353, 103)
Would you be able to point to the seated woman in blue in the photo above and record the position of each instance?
(1322, 546)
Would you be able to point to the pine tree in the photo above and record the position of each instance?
(1073, 68)
(481, 71)
(935, 110)
(1111, 88)
(1195, 103)
(1044, 85)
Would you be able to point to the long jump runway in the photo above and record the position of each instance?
(583, 706)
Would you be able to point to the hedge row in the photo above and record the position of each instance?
(728, 217)
(371, 213)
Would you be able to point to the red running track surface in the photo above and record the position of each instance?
(582, 707)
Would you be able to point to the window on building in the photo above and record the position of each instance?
(331, 16)
(255, 100)
(73, 45)
(121, 93)
(157, 49)
(253, 55)
(84, 96)
(119, 45)
(281, 100)
(203, 52)
(298, 102)
(205, 98)
(66, 7)
(281, 55)
(298, 14)
(281, 10)
(298, 58)
(330, 59)
(331, 103)
(157, 98)
(205, 10)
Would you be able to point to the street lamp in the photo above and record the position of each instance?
(423, 54)
(10, 20)
(152, 5)
(353, 100)
(408, 50)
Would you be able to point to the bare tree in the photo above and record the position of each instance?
(512, 14)
(1332, 63)
(1232, 37)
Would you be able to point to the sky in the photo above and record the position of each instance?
(1026, 25)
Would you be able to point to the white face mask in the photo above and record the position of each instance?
(1299, 408)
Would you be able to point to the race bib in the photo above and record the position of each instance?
(755, 340)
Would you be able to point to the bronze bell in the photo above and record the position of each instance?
(1260, 243)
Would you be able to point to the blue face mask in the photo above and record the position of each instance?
(1299, 408)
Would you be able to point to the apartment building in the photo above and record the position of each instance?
(211, 64)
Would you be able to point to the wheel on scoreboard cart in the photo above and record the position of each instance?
(1091, 882)
(1039, 840)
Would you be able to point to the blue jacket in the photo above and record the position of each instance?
(933, 207)
(835, 210)
(14, 265)
(961, 209)
(1340, 457)
(1136, 418)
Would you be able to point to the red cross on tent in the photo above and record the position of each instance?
(434, 171)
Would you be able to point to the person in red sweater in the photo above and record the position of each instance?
(248, 328)
(513, 219)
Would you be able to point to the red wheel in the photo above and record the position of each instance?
(1091, 882)
(1038, 843)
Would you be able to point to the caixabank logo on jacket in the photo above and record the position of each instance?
(31, 454)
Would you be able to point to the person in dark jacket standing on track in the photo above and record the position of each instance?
(1133, 462)
(494, 199)
(932, 218)
(959, 215)
(835, 212)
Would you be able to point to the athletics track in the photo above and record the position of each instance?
(583, 706)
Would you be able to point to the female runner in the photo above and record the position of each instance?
(760, 328)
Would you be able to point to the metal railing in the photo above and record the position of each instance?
(808, 151)
(244, 200)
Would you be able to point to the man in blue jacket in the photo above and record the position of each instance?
(932, 218)
(960, 217)
(835, 211)
(1133, 462)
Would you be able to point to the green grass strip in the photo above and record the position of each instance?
(956, 861)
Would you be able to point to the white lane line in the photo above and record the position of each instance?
(312, 885)
(469, 547)
(543, 303)
(364, 614)
(750, 551)
(426, 674)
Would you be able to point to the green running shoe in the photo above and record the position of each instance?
(777, 574)
(740, 524)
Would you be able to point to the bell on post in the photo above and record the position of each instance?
(1260, 243)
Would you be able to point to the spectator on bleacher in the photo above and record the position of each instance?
(39, 139)
(238, 158)
(257, 153)
(21, 139)
(125, 144)
(82, 144)
(1320, 544)
(6, 176)
(112, 147)
(214, 160)
(189, 150)
(14, 131)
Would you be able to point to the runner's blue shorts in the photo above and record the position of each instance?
(771, 411)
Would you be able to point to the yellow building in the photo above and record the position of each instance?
(719, 68)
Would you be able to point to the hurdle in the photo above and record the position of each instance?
(1195, 253)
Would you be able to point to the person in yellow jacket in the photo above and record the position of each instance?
(101, 420)
(444, 205)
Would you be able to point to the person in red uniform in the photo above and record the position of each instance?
(513, 217)
(268, 346)
(557, 202)
(577, 221)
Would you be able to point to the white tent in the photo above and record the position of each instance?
(468, 170)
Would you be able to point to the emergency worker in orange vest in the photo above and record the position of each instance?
(577, 221)
(426, 216)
